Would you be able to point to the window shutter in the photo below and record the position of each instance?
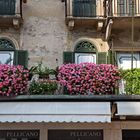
(21, 58)
(68, 57)
(102, 57)
(111, 58)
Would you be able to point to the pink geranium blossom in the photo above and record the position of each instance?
(89, 78)
(13, 80)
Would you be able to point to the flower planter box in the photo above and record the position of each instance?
(89, 78)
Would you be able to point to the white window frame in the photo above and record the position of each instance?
(92, 58)
(5, 55)
(127, 56)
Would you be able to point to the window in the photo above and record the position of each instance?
(85, 57)
(19, 134)
(81, 134)
(126, 7)
(124, 60)
(84, 8)
(6, 57)
(85, 52)
(7, 7)
(9, 55)
(130, 134)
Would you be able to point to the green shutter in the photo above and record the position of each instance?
(102, 57)
(68, 57)
(21, 58)
(7, 7)
(111, 58)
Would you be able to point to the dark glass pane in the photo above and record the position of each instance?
(130, 134)
(84, 8)
(126, 7)
(7, 7)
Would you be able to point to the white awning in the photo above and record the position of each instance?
(128, 108)
(55, 112)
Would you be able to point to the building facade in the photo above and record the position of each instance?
(30, 25)
(70, 31)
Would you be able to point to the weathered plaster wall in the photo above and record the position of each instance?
(44, 39)
(44, 33)
(89, 34)
(46, 36)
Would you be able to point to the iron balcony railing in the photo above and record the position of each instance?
(123, 8)
(84, 8)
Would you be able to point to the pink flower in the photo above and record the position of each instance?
(12, 79)
(90, 77)
(1, 85)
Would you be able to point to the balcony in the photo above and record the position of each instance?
(10, 13)
(84, 79)
(84, 12)
(41, 107)
(123, 8)
(122, 11)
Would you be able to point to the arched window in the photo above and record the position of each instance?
(6, 51)
(9, 55)
(85, 52)
(6, 44)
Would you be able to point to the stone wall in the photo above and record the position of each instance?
(44, 33)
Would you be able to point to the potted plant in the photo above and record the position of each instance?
(42, 71)
(131, 78)
(42, 87)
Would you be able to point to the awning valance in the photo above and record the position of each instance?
(128, 108)
(55, 112)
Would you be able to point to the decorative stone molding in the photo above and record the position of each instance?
(13, 40)
(91, 40)
(71, 24)
(100, 26)
(16, 23)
